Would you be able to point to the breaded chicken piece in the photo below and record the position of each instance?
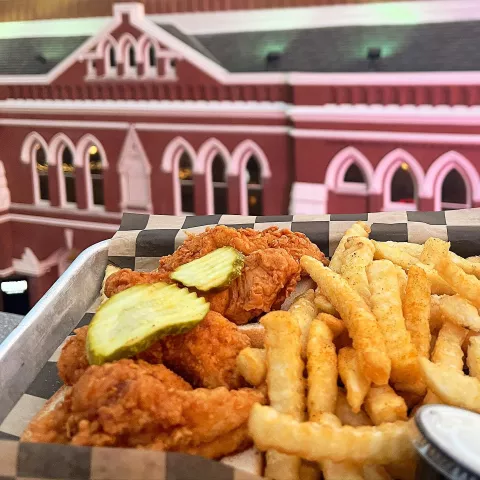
(125, 278)
(206, 355)
(267, 278)
(134, 404)
(246, 240)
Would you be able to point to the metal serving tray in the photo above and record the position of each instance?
(26, 350)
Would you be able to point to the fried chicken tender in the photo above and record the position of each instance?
(205, 356)
(245, 240)
(125, 278)
(133, 404)
(268, 277)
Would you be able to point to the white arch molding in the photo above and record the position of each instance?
(27, 156)
(126, 41)
(441, 167)
(4, 190)
(383, 176)
(170, 164)
(238, 165)
(206, 154)
(338, 166)
(103, 51)
(58, 143)
(82, 160)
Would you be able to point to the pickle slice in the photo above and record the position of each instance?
(217, 269)
(132, 320)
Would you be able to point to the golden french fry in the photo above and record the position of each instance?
(390, 251)
(413, 249)
(252, 365)
(416, 310)
(436, 317)
(383, 444)
(358, 229)
(459, 311)
(402, 281)
(434, 249)
(467, 265)
(346, 415)
(304, 311)
(355, 382)
(437, 284)
(475, 259)
(357, 257)
(387, 308)
(286, 388)
(333, 323)
(323, 305)
(383, 405)
(361, 324)
(452, 386)
(322, 370)
(375, 472)
(468, 286)
(473, 357)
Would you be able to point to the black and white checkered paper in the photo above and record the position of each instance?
(138, 244)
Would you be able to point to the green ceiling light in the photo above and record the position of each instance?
(277, 46)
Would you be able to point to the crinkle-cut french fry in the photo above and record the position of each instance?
(447, 352)
(341, 470)
(358, 229)
(252, 365)
(357, 257)
(452, 386)
(303, 310)
(475, 259)
(436, 317)
(286, 387)
(467, 265)
(390, 251)
(402, 281)
(375, 472)
(323, 305)
(322, 370)
(466, 342)
(473, 357)
(433, 250)
(333, 323)
(437, 284)
(413, 249)
(346, 415)
(416, 310)
(458, 310)
(356, 384)
(359, 320)
(383, 444)
(468, 286)
(387, 308)
(383, 405)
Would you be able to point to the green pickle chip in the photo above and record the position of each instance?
(132, 320)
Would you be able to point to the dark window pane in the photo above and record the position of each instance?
(67, 158)
(96, 172)
(220, 195)
(403, 189)
(40, 155)
(454, 189)
(253, 171)
(152, 57)
(42, 170)
(97, 186)
(185, 167)
(255, 202)
(43, 180)
(113, 57)
(354, 174)
(69, 174)
(131, 57)
(218, 169)
(187, 197)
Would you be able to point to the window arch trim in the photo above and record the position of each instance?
(58, 143)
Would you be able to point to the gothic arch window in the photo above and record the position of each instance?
(41, 166)
(402, 188)
(187, 187)
(354, 175)
(67, 166)
(455, 192)
(253, 180)
(219, 183)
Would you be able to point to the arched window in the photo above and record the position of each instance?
(454, 192)
(403, 188)
(112, 57)
(152, 57)
(354, 174)
(185, 175)
(131, 57)
(254, 186)
(220, 191)
(96, 174)
(68, 169)
(42, 170)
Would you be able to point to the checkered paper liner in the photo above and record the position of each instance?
(140, 241)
